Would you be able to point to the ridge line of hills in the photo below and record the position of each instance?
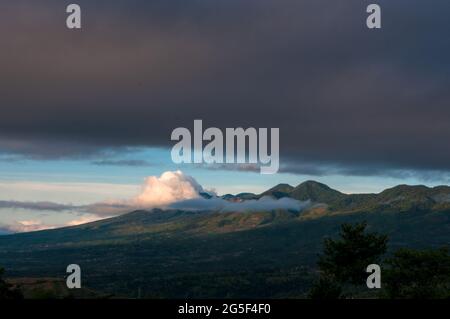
(324, 202)
(398, 198)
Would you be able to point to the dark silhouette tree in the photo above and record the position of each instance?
(6, 291)
(347, 258)
(418, 274)
(344, 260)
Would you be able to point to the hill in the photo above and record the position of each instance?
(175, 253)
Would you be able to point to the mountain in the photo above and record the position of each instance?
(239, 197)
(401, 198)
(315, 192)
(279, 191)
(265, 254)
(309, 190)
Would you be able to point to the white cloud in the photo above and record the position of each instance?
(29, 225)
(169, 188)
(156, 192)
(37, 224)
(83, 220)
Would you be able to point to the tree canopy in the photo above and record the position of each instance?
(418, 274)
(346, 258)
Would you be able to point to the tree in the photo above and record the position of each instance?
(344, 260)
(6, 291)
(325, 288)
(418, 274)
(347, 258)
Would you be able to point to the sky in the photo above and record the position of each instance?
(87, 114)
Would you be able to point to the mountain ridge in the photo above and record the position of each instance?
(324, 201)
(204, 254)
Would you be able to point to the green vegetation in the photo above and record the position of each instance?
(418, 274)
(316, 192)
(409, 273)
(345, 259)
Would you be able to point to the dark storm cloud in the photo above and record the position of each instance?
(364, 169)
(327, 168)
(341, 94)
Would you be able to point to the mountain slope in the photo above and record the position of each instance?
(276, 260)
(209, 254)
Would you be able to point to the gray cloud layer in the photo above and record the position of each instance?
(342, 95)
(98, 209)
(218, 204)
(35, 205)
(135, 163)
(221, 205)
